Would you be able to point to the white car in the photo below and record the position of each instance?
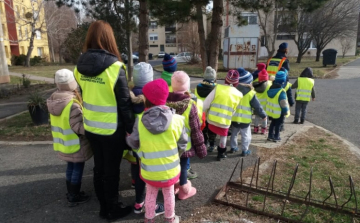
(161, 54)
(185, 57)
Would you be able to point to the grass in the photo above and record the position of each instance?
(21, 128)
(41, 70)
(19, 80)
(295, 68)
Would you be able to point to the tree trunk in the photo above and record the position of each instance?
(318, 51)
(128, 39)
(31, 47)
(143, 31)
(52, 50)
(299, 57)
(215, 34)
(202, 37)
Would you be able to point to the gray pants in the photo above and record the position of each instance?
(300, 106)
(258, 120)
(245, 137)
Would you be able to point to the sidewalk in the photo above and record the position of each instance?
(33, 77)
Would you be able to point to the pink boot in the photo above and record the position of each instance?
(264, 131)
(177, 187)
(175, 219)
(256, 129)
(149, 220)
(186, 191)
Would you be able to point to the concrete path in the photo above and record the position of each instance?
(33, 77)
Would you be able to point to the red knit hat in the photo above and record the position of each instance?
(261, 66)
(263, 76)
(232, 77)
(156, 91)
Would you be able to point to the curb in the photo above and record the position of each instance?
(338, 68)
(26, 143)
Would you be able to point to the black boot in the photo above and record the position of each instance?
(302, 121)
(103, 209)
(68, 188)
(296, 121)
(221, 153)
(117, 210)
(75, 196)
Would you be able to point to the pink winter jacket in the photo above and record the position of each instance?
(56, 104)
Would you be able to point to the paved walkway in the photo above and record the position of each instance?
(33, 77)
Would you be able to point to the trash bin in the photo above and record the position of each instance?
(150, 56)
(329, 57)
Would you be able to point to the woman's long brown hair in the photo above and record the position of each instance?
(101, 36)
(78, 96)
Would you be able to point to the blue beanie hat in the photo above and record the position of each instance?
(280, 78)
(169, 63)
(283, 46)
(245, 77)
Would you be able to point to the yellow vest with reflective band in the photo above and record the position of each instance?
(198, 96)
(223, 106)
(305, 86)
(288, 85)
(128, 154)
(170, 89)
(262, 97)
(65, 139)
(159, 153)
(199, 105)
(256, 80)
(275, 65)
(243, 111)
(273, 108)
(100, 107)
(186, 115)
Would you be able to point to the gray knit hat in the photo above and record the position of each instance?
(143, 74)
(210, 74)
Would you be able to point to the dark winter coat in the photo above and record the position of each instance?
(203, 89)
(286, 64)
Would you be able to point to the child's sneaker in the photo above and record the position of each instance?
(211, 149)
(270, 138)
(233, 150)
(302, 121)
(256, 129)
(191, 174)
(160, 209)
(245, 153)
(138, 208)
(264, 131)
(278, 139)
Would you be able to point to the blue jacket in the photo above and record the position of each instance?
(138, 107)
(274, 89)
(255, 74)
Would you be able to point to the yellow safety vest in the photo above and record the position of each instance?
(64, 138)
(222, 108)
(100, 106)
(256, 80)
(186, 115)
(159, 153)
(170, 89)
(243, 111)
(305, 86)
(198, 96)
(273, 108)
(199, 105)
(274, 65)
(262, 97)
(288, 85)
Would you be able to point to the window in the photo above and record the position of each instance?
(154, 45)
(38, 34)
(153, 25)
(40, 51)
(36, 13)
(263, 40)
(22, 50)
(170, 38)
(250, 19)
(26, 33)
(153, 36)
(19, 33)
(6, 52)
(285, 37)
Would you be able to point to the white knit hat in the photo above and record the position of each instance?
(64, 80)
(210, 74)
(143, 74)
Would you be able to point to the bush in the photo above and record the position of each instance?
(26, 81)
(35, 60)
(18, 60)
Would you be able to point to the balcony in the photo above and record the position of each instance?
(170, 29)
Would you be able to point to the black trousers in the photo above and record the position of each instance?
(108, 151)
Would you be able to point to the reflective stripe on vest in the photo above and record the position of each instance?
(226, 99)
(100, 106)
(262, 97)
(186, 115)
(288, 86)
(64, 138)
(199, 105)
(305, 86)
(273, 108)
(158, 153)
(243, 112)
(274, 65)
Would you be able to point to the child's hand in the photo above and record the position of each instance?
(127, 134)
(264, 118)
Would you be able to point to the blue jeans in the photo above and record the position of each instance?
(188, 164)
(274, 129)
(74, 172)
(183, 172)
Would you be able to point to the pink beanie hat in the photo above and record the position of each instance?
(156, 91)
(263, 76)
(180, 82)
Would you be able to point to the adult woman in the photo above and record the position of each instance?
(107, 113)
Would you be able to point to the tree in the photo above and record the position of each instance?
(143, 30)
(346, 44)
(75, 41)
(29, 16)
(338, 18)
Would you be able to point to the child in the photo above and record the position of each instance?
(242, 118)
(180, 100)
(169, 65)
(260, 67)
(305, 91)
(261, 86)
(159, 138)
(277, 106)
(68, 132)
(220, 106)
(287, 89)
(202, 90)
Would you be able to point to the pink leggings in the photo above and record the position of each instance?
(150, 201)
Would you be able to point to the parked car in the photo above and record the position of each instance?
(161, 54)
(185, 57)
(124, 58)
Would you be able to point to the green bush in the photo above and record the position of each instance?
(26, 81)
(18, 60)
(35, 60)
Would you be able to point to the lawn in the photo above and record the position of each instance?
(21, 128)
(41, 70)
(19, 80)
(195, 70)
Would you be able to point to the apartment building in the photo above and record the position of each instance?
(15, 14)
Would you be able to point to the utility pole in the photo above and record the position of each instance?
(4, 70)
